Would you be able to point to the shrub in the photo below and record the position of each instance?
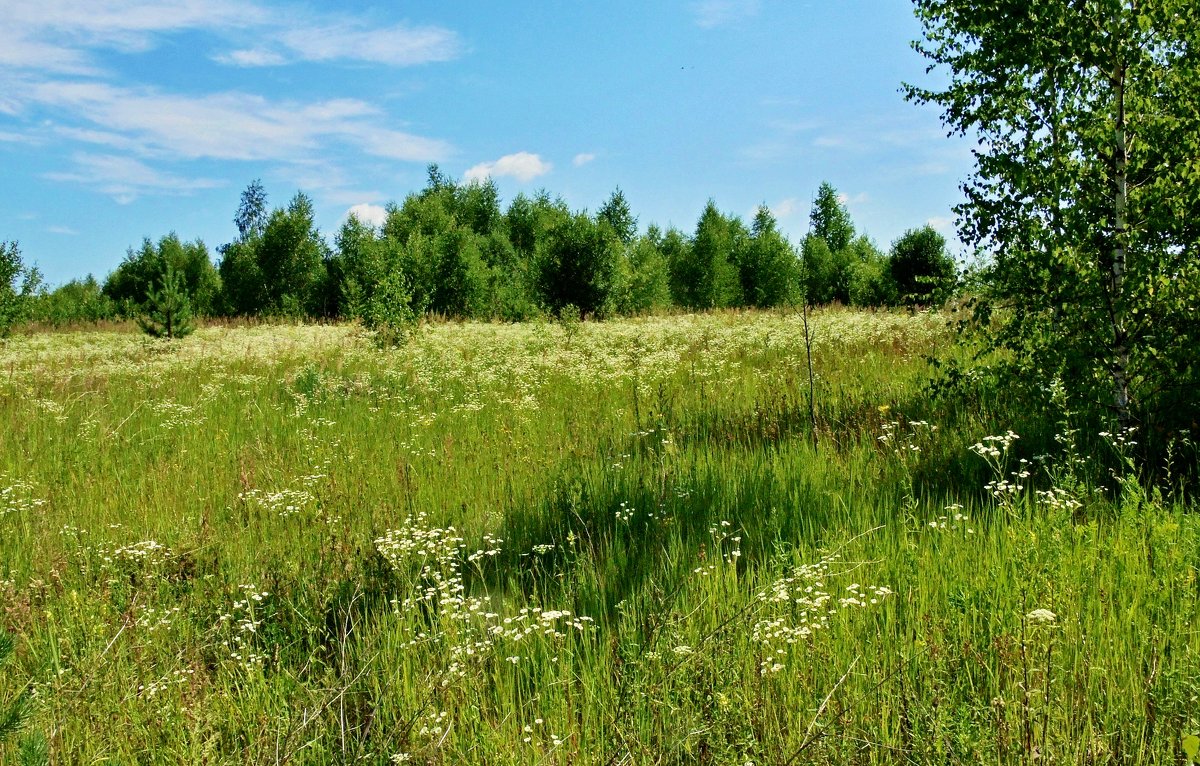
(921, 268)
(18, 284)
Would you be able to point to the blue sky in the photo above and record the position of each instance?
(122, 119)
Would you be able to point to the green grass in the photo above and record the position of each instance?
(613, 543)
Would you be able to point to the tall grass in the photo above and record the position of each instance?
(604, 543)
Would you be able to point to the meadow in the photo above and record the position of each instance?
(628, 542)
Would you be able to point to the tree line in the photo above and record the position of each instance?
(451, 249)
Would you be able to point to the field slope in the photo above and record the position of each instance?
(602, 543)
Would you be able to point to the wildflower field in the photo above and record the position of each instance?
(575, 543)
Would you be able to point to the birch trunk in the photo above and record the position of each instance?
(1120, 247)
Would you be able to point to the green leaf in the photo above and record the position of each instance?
(1191, 747)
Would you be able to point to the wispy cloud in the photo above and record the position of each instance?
(16, 138)
(62, 36)
(582, 159)
(99, 138)
(791, 127)
(65, 231)
(252, 57)
(19, 52)
(834, 142)
(710, 14)
(942, 224)
(125, 179)
(379, 141)
(53, 81)
(225, 126)
(396, 45)
(771, 150)
(792, 207)
(128, 23)
(522, 166)
(331, 180)
(785, 139)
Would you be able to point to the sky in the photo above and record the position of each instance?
(126, 119)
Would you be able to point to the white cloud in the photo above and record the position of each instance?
(942, 224)
(582, 159)
(852, 200)
(372, 215)
(51, 71)
(789, 208)
(226, 126)
(716, 13)
(17, 52)
(125, 179)
(397, 145)
(99, 137)
(64, 230)
(794, 126)
(128, 22)
(832, 142)
(16, 138)
(325, 40)
(522, 166)
(396, 45)
(60, 36)
(769, 151)
(251, 57)
(331, 180)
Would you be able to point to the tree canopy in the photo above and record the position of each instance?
(1085, 188)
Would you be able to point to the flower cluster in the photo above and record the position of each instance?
(284, 502)
(156, 687)
(1007, 486)
(153, 620)
(243, 620)
(799, 604)
(906, 438)
(1121, 440)
(147, 559)
(1058, 499)
(953, 520)
(17, 497)
(1041, 617)
(175, 415)
(994, 448)
(625, 513)
(725, 544)
(429, 563)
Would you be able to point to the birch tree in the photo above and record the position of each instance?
(1086, 187)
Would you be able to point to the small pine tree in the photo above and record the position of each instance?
(617, 214)
(168, 310)
(14, 719)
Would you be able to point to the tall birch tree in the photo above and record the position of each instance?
(1086, 188)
